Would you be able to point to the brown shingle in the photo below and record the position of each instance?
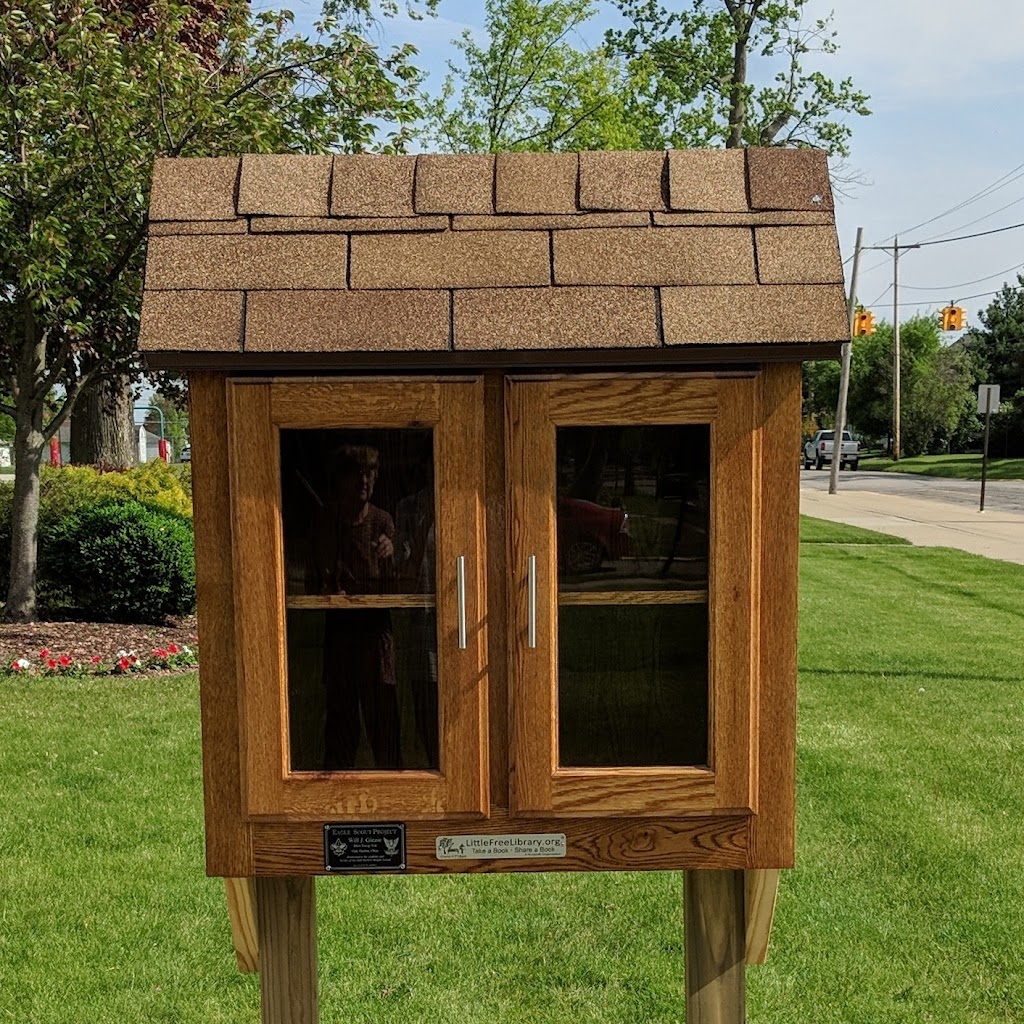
(754, 313)
(353, 225)
(553, 318)
(636, 256)
(238, 226)
(465, 259)
(536, 182)
(788, 179)
(247, 261)
(798, 255)
(284, 185)
(454, 184)
(707, 179)
(344, 321)
(544, 222)
(622, 181)
(368, 185)
(752, 217)
(194, 188)
(191, 321)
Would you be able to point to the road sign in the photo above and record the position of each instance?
(988, 398)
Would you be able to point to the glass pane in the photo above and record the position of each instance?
(362, 689)
(633, 507)
(358, 511)
(632, 685)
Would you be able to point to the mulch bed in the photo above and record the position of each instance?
(85, 640)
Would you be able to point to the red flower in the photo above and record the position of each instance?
(15, 666)
(132, 658)
(124, 664)
(51, 663)
(159, 653)
(65, 660)
(44, 653)
(172, 648)
(95, 659)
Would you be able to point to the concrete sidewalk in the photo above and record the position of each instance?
(928, 523)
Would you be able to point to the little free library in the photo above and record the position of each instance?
(496, 509)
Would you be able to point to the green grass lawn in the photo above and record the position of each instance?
(958, 467)
(906, 906)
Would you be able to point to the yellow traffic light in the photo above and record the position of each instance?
(952, 317)
(863, 323)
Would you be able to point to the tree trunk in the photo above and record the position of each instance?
(743, 23)
(102, 427)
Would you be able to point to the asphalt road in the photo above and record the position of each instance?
(1000, 495)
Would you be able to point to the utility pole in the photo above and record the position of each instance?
(896, 247)
(844, 374)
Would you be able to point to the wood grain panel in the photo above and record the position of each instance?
(773, 830)
(593, 844)
(228, 848)
(597, 401)
(760, 892)
(497, 553)
(241, 900)
(530, 466)
(408, 403)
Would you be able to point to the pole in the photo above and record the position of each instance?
(896, 349)
(844, 373)
(984, 451)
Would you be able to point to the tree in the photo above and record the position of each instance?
(529, 88)
(999, 348)
(90, 93)
(692, 67)
(936, 387)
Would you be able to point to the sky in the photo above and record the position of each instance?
(946, 94)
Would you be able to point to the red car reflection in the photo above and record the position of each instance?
(589, 533)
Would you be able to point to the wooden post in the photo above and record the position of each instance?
(715, 948)
(286, 919)
(241, 896)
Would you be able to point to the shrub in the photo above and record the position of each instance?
(123, 562)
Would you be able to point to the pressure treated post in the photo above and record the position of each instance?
(715, 948)
(286, 920)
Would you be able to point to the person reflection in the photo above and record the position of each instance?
(356, 556)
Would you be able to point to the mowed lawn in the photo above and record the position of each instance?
(957, 467)
(907, 904)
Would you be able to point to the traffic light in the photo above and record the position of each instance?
(863, 323)
(952, 317)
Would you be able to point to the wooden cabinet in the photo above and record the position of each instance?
(561, 614)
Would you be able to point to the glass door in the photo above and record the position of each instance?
(632, 551)
(357, 530)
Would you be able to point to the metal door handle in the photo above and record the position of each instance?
(531, 601)
(460, 570)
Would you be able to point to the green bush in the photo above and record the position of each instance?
(69, 494)
(120, 561)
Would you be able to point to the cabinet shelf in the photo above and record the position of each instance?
(313, 602)
(617, 597)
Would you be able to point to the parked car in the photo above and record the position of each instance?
(589, 533)
(818, 451)
(186, 454)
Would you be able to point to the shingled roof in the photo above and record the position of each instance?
(525, 251)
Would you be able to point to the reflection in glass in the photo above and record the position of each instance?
(633, 507)
(632, 685)
(362, 689)
(358, 524)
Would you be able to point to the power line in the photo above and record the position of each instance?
(977, 220)
(977, 234)
(963, 284)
